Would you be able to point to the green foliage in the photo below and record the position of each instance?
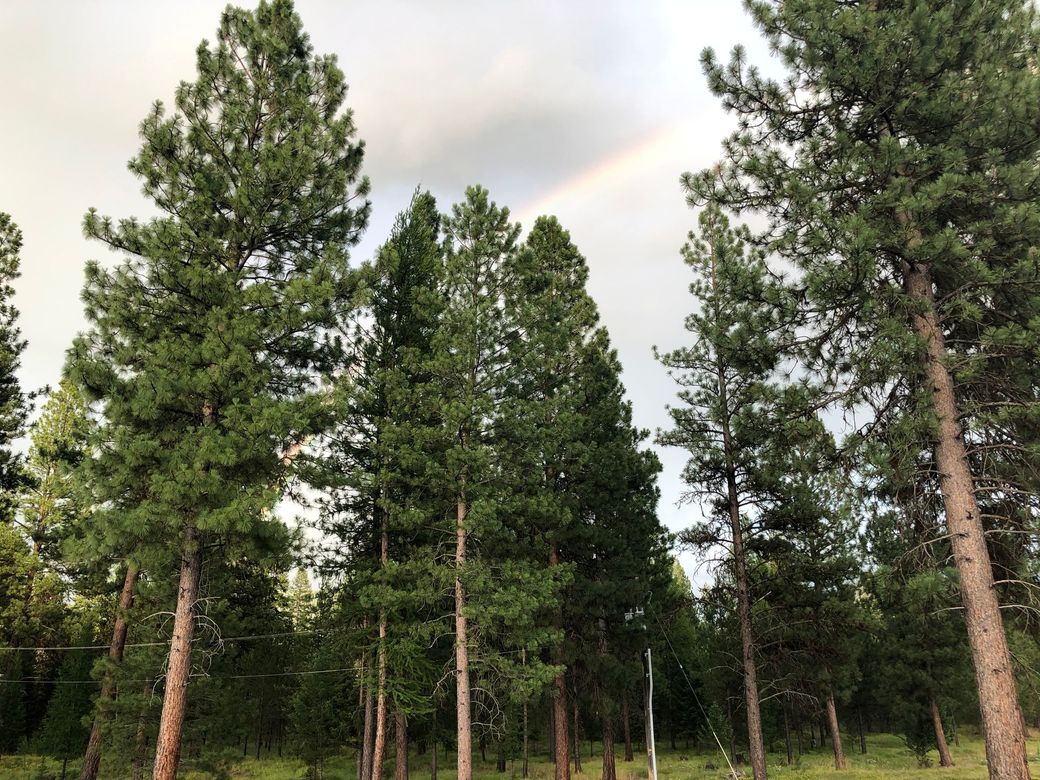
(63, 734)
(14, 403)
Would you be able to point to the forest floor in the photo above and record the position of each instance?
(886, 757)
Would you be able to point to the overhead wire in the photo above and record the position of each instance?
(696, 698)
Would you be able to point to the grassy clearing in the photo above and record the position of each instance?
(886, 757)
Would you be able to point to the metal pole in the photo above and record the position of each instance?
(651, 751)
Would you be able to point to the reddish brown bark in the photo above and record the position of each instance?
(400, 746)
(1006, 753)
(609, 763)
(178, 668)
(527, 746)
(92, 758)
(561, 737)
(379, 749)
(754, 716)
(462, 687)
(756, 744)
(945, 759)
(832, 726)
(368, 732)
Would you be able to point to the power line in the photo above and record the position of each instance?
(696, 698)
(163, 643)
(43, 681)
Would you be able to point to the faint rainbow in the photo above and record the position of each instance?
(655, 147)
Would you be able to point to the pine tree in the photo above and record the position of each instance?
(12, 702)
(469, 365)
(540, 423)
(207, 342)
(17, 563)
(63, 735)
(300, 596)
(379, 504)
(725, 378)
(14, 403)
(56, 504)
(896, 168)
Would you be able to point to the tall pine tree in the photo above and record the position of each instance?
(207, 343)
(896, 166)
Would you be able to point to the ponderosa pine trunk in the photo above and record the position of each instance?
(379, 748)
(527, 748)
(626, 728)
(561, 739)
(400, 745)
(787, 736)
(832, 726)
(747, 639)
(609, 763)
(462, 688)
(945, 759)
(92, 758)
(1006, 752)
(368, 730)
(998, 698)
(178, 667)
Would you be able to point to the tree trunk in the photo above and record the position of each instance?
(400, 745)
(832, 724)
(798, 728)
(368, 725)
(178, 668)
(945, 759)
(379, 749)
(1006, 753)
(561, 738)
(862, 733)
(577, 738)
(609, 765)
(462, 690)
(787, 736)
(626, 728)
(527, 748)
(92, 758)
(368, 731)
(259, 726)
(747, 639)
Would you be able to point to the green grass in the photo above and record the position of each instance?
(886, 757)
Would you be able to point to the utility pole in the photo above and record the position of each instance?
(648, 691)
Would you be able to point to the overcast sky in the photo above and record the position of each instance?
(585, 109)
